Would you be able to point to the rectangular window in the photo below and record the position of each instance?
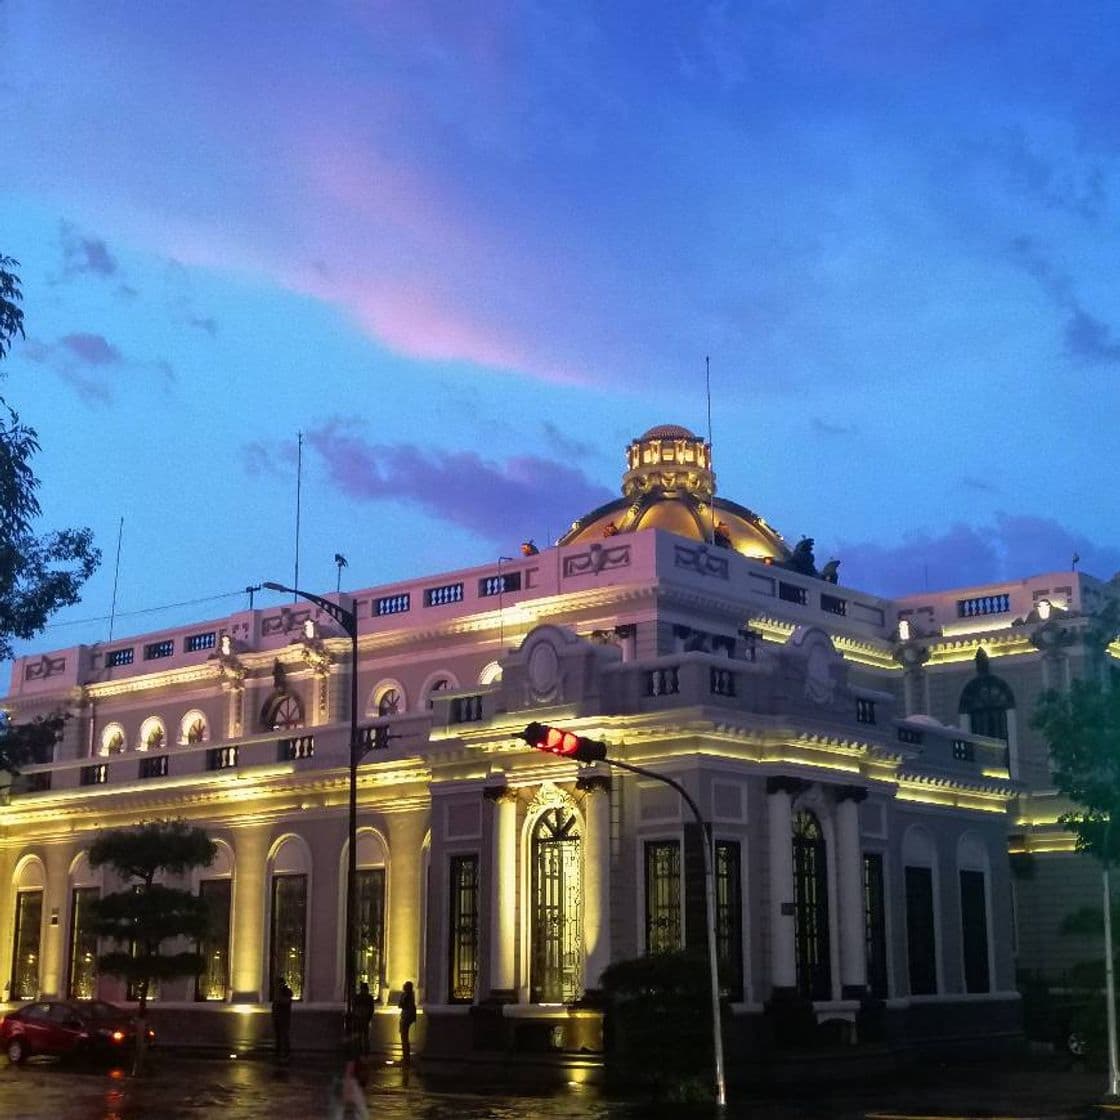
(155, 767)
(974, 932)
(289, 933)
(875, 924)
(921, 944)
(983, 604)
(440, 596)
(371, 929)
(213, 980)
(865, 710)
(909, 735)
(791, 593)
(195, 642)
(117, 657)
(96, 775)
(833, 604)
(221, 758)
(963, 750)
(155, 650)
(392, 604)
(25, 947)
(729, 918)
(499, 585)
(663, 896)
(463, 913)
(82, 983)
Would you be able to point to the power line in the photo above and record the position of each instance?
(146, 610)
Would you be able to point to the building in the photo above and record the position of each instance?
(862, 763)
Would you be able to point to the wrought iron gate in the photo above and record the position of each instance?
(557, 969)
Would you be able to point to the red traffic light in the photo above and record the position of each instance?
(567, 744)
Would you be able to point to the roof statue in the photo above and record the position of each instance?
(669, 484)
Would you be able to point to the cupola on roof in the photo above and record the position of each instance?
(669, 484)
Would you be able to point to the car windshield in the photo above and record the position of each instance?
(96, 1009)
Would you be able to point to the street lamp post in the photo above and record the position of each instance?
(348, 620)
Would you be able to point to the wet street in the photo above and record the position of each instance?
(177, 1089)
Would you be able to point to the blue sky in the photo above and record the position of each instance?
(470, 251)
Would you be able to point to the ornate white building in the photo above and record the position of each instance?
(862, 763)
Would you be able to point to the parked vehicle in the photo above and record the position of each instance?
(72, 1029)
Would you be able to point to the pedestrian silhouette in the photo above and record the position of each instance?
(407, 1005)
(363, 1016)
(282, 1021)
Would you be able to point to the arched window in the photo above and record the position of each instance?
(986, 700)
(153, 735)
(283, 712)
(437, 684)
(972, 872)
(370, 902)
(390, 703)
(193, 728)
(289, 868)
(29, 883)
(557, 951)
(491, 673)
(112, 739)
(810, 881)
(919, 868)
(214, 886)
(85, 889)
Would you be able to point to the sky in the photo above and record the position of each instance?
(471, 251)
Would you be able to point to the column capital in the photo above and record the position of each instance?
(849, 793)
(784, 783)
(592, 781)
(498, 792)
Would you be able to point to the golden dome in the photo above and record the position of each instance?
(670, 485)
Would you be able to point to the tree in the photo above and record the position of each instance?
(38, 574)
(145, 913)
(21, 743)
(1082, 728)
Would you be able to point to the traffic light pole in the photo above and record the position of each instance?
(706, 842)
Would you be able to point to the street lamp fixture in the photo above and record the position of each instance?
(348, 621)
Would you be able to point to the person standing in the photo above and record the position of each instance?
(407, 1005)
(363, 1016)
(282, 1021)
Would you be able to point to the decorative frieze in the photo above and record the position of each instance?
(701, 561)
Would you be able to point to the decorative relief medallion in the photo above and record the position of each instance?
(544, 671)
(549, 796)
(284, 622)
(700, 561)
(598, 558)
(43, 668)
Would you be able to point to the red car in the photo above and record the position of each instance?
(86, 1028)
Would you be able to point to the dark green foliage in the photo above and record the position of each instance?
(11, 314)
(145, 914)
(1082, 728)
(23, 743)
(38, 574)
(659, 1023)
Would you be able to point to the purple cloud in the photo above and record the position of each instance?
(84, 255)
(1090, 340)
(1015, 547)
(93, 349)
(497, 500)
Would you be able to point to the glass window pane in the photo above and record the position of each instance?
(83, 944)
(371, 929)
(213, 980)
(464, 929)
(663, 896)
(25, 948)
(729, 918)
(289, 918)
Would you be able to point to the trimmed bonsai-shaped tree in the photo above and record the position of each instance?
(145, 914)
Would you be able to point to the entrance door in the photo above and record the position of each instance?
(557, 968)
(814, 973)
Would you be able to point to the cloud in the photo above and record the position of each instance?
(826, 428)
(566, 445)
(91, 363)
(971, 482)
(84, 255)
(499, 501)
(1014, 547)
(1087, 339)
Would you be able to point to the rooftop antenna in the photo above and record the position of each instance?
(340, 563)
(251, 590)
(116, 577)
(299, 486)
(712, 501)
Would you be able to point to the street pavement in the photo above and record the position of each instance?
(178, 1089)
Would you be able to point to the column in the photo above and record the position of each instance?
(503, 894)
(596, 877)
(406, 884)
(52, 949)
(249, 933)
(849, 883)
(779, 812)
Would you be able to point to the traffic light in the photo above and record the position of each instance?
(567, 744)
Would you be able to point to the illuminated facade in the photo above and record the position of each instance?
(861, 770)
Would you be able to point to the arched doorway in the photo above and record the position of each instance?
(810, 878)
(557, 888)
